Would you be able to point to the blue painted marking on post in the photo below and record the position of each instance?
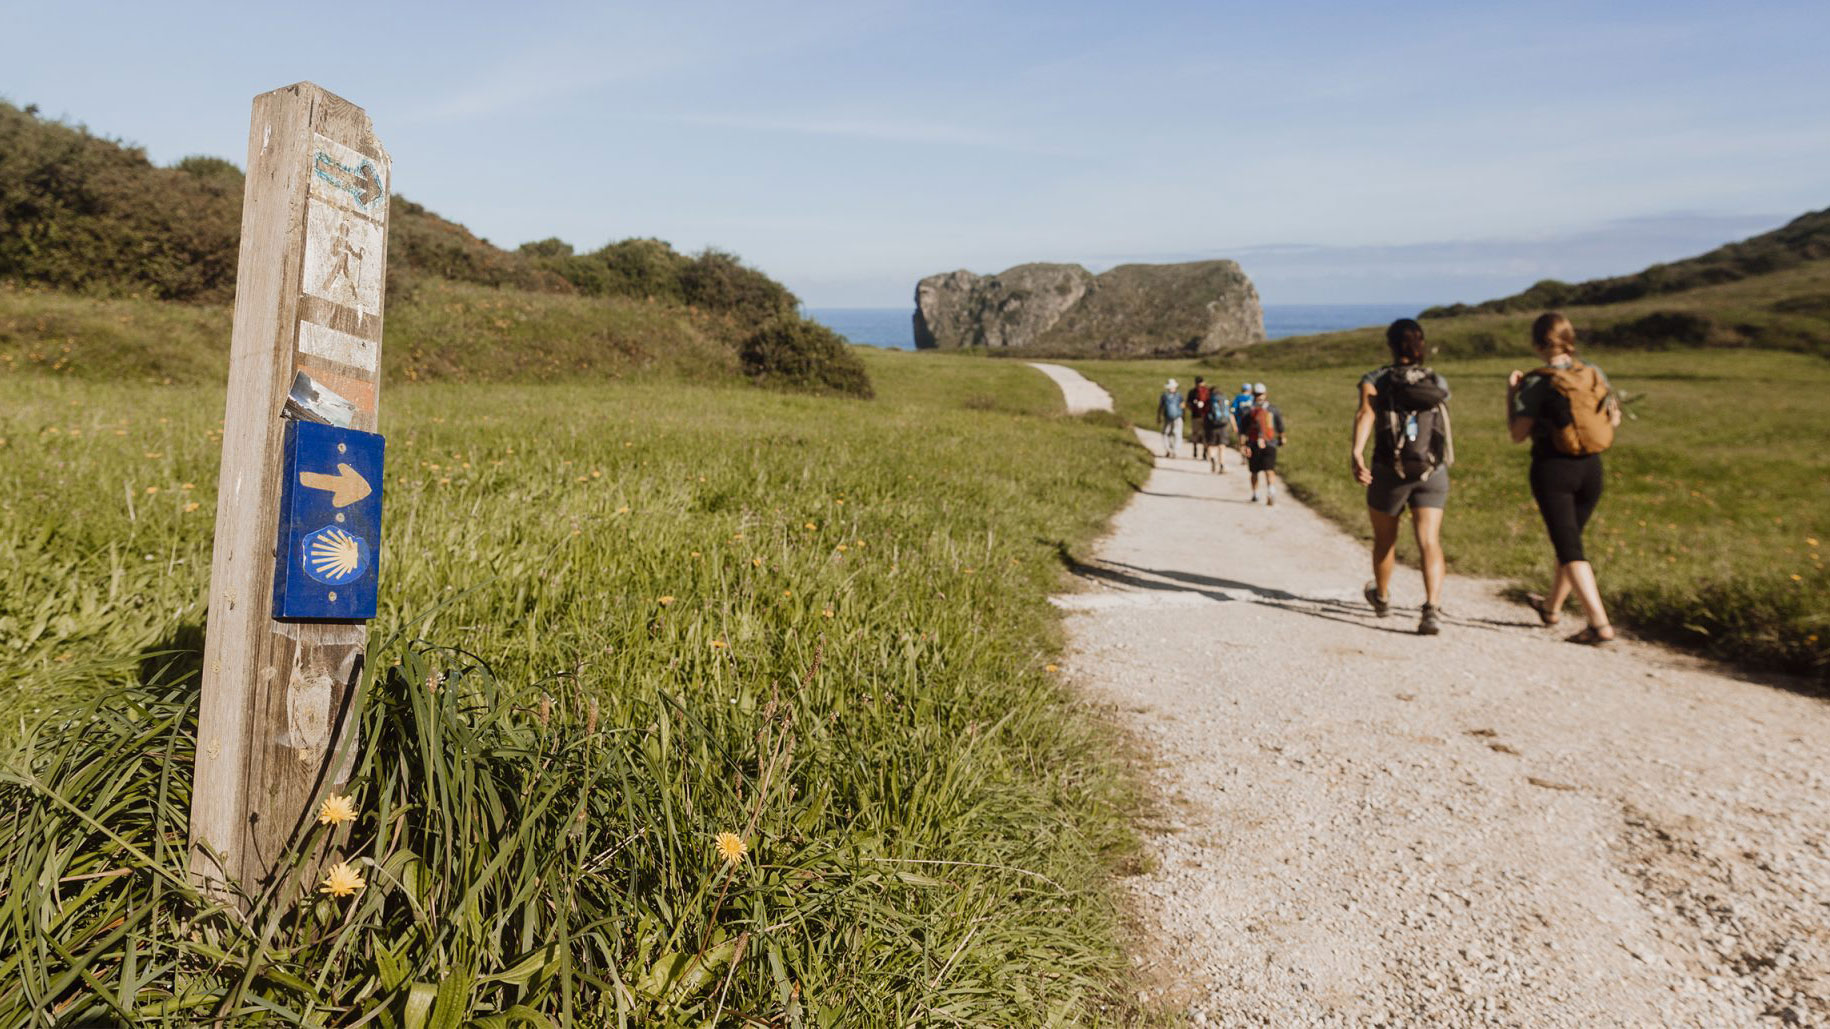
(330, 524)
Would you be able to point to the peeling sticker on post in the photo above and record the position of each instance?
(312, 401)
(341, 347)
(343, 258)
(359, 392)
(348, 178)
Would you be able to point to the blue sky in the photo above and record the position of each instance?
(1342, 152)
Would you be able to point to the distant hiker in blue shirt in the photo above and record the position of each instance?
(1169, 414)
(1241, 404)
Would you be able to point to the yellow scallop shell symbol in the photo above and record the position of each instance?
(334, 556)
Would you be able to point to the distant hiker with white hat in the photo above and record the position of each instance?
(1261, 432)
(1169, 414)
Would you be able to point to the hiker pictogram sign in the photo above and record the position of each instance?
(330, 524)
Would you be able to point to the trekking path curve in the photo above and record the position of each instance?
(1081, 393)
(1358, 826)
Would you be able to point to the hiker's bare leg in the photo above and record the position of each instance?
(1427, 521)
(1560, 587)
(1384, 549)
(1582, 575)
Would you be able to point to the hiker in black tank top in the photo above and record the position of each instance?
(1566, 472)
(1403, 411)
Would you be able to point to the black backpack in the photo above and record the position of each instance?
(1414, 422)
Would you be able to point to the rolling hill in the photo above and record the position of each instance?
(113, 266)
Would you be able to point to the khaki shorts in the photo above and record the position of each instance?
(1392, 495)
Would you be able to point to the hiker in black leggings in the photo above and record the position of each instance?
(1566, 487)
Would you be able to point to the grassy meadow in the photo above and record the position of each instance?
(819, 623)
(1717, 496)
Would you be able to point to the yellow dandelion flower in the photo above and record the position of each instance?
(842, 548)
(719, 644)
(622, 510)
(826, 613)
(787, 593)
(756, 562)
(583, 479)
(446, 481)
(192, 506)
(664, 601)
(336, 810)
(188, 486)
(1797, 577)
(1811, 541)
(810, 525)
(150, 490)
(731, 847)
(597, 473)
(342, 881)
(695, 553)
(1051, 668)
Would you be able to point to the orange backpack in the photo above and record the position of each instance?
(1580, 413)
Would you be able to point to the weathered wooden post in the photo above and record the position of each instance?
(298, 510)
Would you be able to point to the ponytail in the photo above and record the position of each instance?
(1554, 335)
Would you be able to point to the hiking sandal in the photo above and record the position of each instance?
(1592, 636)
(1541, 605)
(1381, 606)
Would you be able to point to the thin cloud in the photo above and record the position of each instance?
(884, 131)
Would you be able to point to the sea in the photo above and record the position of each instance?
(893, 327)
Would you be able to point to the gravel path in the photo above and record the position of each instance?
(1361, 826)
(1081, 393)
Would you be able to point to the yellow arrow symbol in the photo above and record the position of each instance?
(345, 488)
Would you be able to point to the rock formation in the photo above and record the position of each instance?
(1133, 310)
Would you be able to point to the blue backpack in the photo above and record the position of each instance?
(1171, 406)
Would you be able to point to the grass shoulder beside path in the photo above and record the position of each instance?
(1716, 514)
(703, 563)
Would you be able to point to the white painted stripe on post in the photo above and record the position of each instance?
(341, 347)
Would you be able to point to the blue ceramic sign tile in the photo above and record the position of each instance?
(330, 524)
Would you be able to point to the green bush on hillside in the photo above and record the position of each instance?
(92, 215)
(795, 353)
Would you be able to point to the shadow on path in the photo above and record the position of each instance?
(1331, 609)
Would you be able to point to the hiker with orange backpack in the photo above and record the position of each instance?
(1261, 432)
(1569, 411)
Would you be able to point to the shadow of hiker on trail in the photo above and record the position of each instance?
(1329, 608)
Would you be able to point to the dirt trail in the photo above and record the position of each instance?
(1080, 393)
(1361, 826)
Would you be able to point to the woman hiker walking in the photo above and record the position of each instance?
(1404, 412)
(1568, 410)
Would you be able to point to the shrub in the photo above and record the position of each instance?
(717, 281)
(795, 353)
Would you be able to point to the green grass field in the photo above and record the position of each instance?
(700, 556)
(1718, 489)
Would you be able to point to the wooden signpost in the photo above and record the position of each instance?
(298, 511)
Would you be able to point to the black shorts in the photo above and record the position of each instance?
(1392, 495)
(1567, 490)
(1215, 434)
(1262, 459)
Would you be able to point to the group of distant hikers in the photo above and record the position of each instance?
(1217, 421)
(1566, 408)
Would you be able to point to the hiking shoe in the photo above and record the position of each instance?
(1381, 606)
(1254, 498)
(1428, 624)
(1270, 499)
